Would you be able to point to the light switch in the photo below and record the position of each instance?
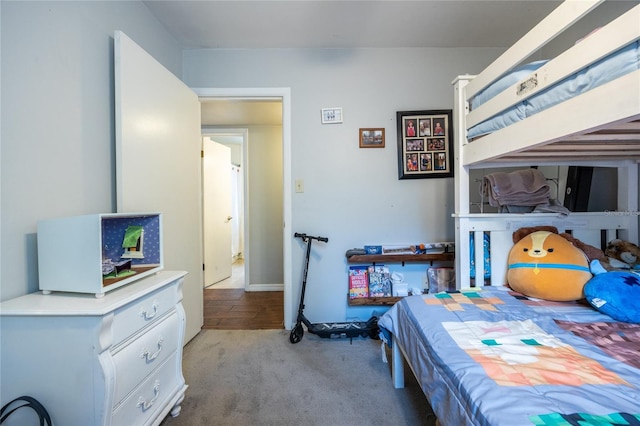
(299, 185)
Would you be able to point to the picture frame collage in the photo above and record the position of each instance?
(425, 144)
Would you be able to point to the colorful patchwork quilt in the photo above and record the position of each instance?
(492, 356)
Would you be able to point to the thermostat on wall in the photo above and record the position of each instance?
(331, 115)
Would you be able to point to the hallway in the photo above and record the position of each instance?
(236, 280)
(235, 309)
(228, 307)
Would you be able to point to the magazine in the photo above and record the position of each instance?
(379, 281)
(358, 282)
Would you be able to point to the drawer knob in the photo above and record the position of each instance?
(146, 315)
(148, 356)
(143, 403)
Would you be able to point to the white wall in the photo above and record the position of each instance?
(58, 141)
(264, 170)
(58, 137)
(57, 133)
(352, 195)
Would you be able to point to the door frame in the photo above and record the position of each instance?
(283, 93)
(244, 132)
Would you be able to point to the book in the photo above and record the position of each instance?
(358, 282)
(379, 281)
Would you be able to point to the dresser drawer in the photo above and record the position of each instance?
(138, 359)
(144, 311)
(83, 366)
(145, 402)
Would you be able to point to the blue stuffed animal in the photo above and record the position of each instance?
(614, 293)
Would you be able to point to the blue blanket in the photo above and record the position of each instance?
(495, 357)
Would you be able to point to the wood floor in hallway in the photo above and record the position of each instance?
(235, 309)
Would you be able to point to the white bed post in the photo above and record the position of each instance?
(461, 178)
(397, 366)
(628, 197)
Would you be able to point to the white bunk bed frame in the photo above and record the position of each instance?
(600, 127)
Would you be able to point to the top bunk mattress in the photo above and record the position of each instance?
(615, 65)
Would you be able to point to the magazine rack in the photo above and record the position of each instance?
(393, 258)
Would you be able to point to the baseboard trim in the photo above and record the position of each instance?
(265, 287)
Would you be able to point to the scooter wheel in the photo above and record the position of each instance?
(296, 334)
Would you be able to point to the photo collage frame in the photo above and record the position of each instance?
(425, 144)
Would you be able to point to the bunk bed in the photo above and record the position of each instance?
(597, 127)
(439, 335)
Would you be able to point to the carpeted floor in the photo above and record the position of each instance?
(257, 377)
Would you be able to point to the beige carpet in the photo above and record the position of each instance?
(257, 377)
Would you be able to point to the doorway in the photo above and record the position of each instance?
(282, 230)
(223, 177)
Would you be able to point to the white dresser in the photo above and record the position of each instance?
(115, 360)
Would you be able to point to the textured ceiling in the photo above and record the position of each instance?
(341, 24)
(348, 23)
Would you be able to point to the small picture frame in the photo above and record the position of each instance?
(372, 137)
(331, 115)
(425, 144)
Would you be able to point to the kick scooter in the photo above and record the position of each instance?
(327, 330)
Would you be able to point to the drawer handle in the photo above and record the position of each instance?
(148, 356)
(144, 314)
(146, 405)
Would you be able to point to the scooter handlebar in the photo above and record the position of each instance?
(310, 237)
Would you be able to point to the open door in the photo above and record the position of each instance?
(216, 185)
(158, 162)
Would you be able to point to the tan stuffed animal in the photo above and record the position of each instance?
(547, 266)
(590, 251)
(625, 252)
